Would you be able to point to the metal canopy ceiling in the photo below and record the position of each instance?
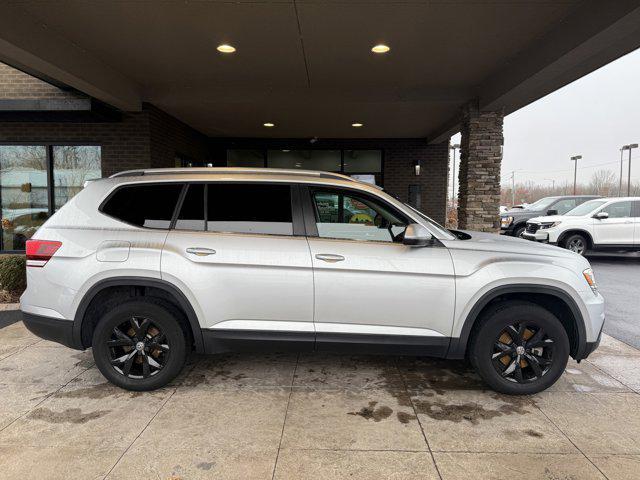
(307, 66)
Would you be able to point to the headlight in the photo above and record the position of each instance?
(506, 221)
(549, 225)
(591, 280)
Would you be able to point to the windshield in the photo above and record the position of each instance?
(585, 208)
(435, 226)
(541, 204)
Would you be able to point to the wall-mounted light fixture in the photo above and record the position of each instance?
(416, 165)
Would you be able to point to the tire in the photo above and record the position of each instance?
(550, 352)
(142, 334)
(576, 243)
(518, 232)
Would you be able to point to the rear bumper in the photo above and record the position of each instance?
(53, 329)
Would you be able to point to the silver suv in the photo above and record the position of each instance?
(146, 266)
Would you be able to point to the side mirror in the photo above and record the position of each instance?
(416, 235)
(552, 212)
(601, 215)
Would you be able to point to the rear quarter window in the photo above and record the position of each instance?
(149, 206)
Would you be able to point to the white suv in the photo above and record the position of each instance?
(602, 224)
(146, 266)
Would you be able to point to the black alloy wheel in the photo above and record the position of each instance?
(523, 353)
(519, 347)
(139, 344)
(138, 348)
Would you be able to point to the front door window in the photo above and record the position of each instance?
(345, 215)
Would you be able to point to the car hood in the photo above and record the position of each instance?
(492, 242)
(547, 219)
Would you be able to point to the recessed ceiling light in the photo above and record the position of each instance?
(225, 48)
(269, 124)
(357, 125)
(381, 48)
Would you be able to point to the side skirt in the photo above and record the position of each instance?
(218, 341)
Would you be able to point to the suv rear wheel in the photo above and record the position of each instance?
(519, 348)
(139, 345)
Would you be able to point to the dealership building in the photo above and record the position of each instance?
(368, 89)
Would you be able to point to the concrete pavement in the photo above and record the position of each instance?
(288, 416)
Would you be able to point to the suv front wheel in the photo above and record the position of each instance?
(139, 345)
(519, 348)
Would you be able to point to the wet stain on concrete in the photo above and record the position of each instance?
(84, 360)
(404, 417)
(471, 412)
(440, 376)
(69, 415)
(99, 391)
(209, 378)
(205, 465)
(372, 412)
(533, 433)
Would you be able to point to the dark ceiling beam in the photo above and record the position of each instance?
(32, 47)
(595, 34)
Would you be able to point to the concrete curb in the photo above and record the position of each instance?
(4, 307)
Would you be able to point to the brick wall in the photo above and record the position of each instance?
(147, 139)
(15, 84)
(400, 156)
(170, 137)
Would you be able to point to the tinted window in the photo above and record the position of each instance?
(618, 210)
(149, 206)
(249, 208)
(341, 214)
(563, 206)
(191, 216)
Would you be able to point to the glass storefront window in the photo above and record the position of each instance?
(25, 189)
(23, 193)
(72, 166)
(245, 158)
(362, 161)
(326, 160)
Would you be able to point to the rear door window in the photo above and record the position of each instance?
(149, 206)
(191, 216)
(249, 208)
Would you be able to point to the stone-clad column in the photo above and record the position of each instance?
(479, 176)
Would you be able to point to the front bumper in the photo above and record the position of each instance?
(53, 329)
(539, 236)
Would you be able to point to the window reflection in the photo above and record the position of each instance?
(72, 166)
(25, 188)
(23, 193)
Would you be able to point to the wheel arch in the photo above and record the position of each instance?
(554, 299)
(580, 231)
(81, 333)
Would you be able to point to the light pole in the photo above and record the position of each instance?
(622, 149)
(629, 147)
(453, 147)
(513, 188)
(575, 171)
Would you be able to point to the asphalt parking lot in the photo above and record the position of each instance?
(289, 416)
(618, 277)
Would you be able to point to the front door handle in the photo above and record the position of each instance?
(329, 257)
(201, 252)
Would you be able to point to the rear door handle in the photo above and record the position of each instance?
(329, 257)
(201, 252)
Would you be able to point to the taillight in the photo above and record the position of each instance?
(40, 251)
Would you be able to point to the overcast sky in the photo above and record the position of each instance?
(592, 117)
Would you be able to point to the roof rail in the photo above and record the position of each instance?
(232, 170)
